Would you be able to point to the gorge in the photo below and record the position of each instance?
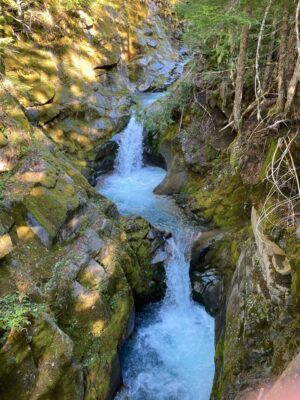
(171, 353)
(149, 200)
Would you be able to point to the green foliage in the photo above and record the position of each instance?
(57, 274)
(16, 312)
(170, 107)
(214, 28)
(211, 20)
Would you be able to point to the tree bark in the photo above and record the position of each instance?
(269, 66)
(239, 82)
(282, 58)
(292, 87)
(296, 75)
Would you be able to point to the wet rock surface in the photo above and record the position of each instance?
(147, 277)
(207, 286)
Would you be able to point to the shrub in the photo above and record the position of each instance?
(16, 312)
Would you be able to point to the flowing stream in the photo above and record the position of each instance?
(170, 355)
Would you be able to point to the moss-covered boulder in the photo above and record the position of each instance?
(144, 271)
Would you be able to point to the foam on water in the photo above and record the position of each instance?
(170, 356)
(130, 154)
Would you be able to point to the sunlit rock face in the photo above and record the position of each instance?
(75, 72)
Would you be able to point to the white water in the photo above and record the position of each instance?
(130, 154)
(170, 356)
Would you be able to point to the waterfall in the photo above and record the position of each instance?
(178, 282)
(170, 356)
(130, 154)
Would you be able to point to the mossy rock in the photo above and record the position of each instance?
(51, 208)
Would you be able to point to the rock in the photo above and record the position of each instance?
(41, 94)
(206, 281)
(6, 245)
(152, 43)
(204, 239)
(160, 257)
(250, 328)
(270, 252)
(105, 150)
(6, 221)
(71, 227)
(145, 271)
(39, 231)
(94, 242)
(176, 170)
(36, 361)
(8, 159)
(105, 158)
(207, 291)
(88, 305)
(93, 275)
(86, 19)
(18, 372)
(151, 234)
(54, 349)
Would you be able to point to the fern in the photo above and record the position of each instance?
(16, 312)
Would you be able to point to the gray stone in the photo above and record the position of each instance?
(95, 243)
(39, 230)
(152, 43)
(93, 275)
(160, 257)
(272, 255)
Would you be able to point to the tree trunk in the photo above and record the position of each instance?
(282, 58)
(296, 75)
(269, 66)
(239, 82)
(292, 87)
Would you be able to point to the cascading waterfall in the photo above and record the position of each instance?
(170, 356)
(130, 154)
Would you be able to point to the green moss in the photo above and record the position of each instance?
(54, 198)
(271, 147)
(210, 152)
(221, 200)
(219, 349)
(47, 210)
